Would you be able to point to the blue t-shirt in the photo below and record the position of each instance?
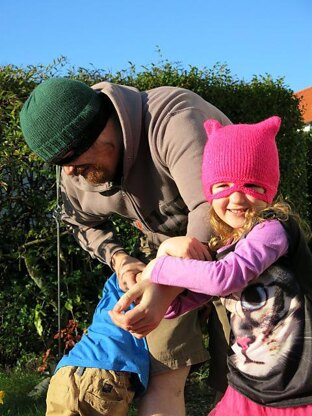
(107, 346)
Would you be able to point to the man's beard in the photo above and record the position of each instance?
(94, 174)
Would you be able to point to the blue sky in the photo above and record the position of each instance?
(251, 37)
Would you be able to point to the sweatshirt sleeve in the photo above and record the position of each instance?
(253, 254)
(95, 234)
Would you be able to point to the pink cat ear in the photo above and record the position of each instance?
(211, 126)
(272, 124)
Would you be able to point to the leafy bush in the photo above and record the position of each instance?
(28, 261)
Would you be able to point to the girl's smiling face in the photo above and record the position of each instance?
(232, 209)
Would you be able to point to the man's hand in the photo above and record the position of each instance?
(184, 247)
(127, 268)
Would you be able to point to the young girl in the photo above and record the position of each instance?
(262, 272)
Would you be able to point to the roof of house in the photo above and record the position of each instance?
(305, 104)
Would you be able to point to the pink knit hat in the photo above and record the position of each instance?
(241, 154)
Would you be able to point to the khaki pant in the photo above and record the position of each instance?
(83, 391)
(178, 342)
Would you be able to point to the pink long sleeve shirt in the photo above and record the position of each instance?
(253, 254)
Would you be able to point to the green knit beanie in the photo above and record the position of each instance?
(61, 115)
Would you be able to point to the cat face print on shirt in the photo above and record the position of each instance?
(266, 322)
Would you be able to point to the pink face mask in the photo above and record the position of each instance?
(242, 154)
(252, 190)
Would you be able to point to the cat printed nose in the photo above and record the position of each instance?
(244, 342)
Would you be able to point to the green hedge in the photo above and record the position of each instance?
(28, 260)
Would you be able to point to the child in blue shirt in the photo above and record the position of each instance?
(104, 370)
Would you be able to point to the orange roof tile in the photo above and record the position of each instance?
(305, 103)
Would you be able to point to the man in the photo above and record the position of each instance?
(138, 155)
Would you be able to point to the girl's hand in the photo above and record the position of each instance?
(147, 272)
(154, 301)
(184, 247)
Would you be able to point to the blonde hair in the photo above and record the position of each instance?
(224, 234)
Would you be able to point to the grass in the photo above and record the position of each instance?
(18, 384)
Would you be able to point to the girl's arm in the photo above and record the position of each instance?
(265, 243)
(153, 301)
(255, 253)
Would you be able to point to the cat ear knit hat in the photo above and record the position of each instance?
(63, 115)
(241, 154)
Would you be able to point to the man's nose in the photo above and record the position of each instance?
(69, 170)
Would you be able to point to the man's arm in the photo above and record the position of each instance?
(97, 235)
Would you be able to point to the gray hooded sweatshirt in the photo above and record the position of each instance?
(160, 192)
